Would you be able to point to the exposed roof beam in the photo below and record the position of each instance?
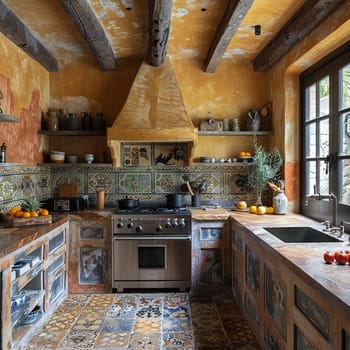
(16, 31)
(92, 31)
(233, 16)
(309, 16)
(159, 27)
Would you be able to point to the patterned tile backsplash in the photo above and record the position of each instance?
(218, 184)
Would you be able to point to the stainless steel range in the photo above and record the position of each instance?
(152, 248)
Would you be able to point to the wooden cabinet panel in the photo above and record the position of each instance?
(90, 256)
(211, 258)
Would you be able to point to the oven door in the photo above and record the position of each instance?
(149, 262)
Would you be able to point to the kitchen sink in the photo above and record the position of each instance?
(300, 234)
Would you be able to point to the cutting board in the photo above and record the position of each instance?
(68, 190)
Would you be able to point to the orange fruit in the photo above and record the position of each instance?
(44, 212)
(13, 211)
(26, 214)
(269, 210)
(18, 214)
(248, 154)
(242, 154)
(34, 213)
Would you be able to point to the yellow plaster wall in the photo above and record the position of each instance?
(285, 92)
(25, 86)
(228, 93)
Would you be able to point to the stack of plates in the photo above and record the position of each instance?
(205, 159)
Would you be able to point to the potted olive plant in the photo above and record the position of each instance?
(266, 167)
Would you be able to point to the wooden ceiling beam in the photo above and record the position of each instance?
(309, 16)
(159, 28)
(233, 16)
(16, 31)
(91, 29)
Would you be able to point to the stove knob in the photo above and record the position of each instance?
(120, 225)
(139, 228)
(182, 223)
(130, 225)
(159, 228)
(175, 223)
(167, 223)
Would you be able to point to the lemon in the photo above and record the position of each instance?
(264, 112)
(241, 205)
(261, 210)
(253, 209)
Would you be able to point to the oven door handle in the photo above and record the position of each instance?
(134, 238)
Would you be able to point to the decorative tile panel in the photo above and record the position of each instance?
(8, 188)
(165, 182)
(135, 183)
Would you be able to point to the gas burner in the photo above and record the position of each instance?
(171, 210)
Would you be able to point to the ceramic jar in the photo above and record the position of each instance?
(280, 202)
(73, 122)
(53, 121)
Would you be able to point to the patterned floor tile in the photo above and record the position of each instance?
(109, 340)
(78, 340)
(147, 341)
(169, 321)
(178, 340)
(117, 325)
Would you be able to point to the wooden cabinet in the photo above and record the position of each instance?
(285, 307)
(90, 258)
(33, 284)
(211, 259)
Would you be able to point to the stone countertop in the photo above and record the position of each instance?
(304, 258)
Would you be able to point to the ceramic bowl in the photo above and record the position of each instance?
(57, 157)
(89, 157)
(72, 159)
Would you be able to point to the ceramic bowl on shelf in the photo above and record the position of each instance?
(57, 156)
(89, 157)
(72, 159)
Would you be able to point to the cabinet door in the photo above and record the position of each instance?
(90, 256)
(210, 257)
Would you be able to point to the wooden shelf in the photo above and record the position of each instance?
(73, 165)
(222, 164)
(234, 133)
(8, 118)
(73, 132)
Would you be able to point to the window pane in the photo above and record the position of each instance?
(344, 133)
(324, 96)
(324, 138)
(344, 88)
(324, 178)
(344, 179)
(310, 102)
(310, 177)
(310, 140)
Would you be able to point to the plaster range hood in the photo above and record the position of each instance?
(154, 112)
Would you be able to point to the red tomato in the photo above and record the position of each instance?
(341, 258)
(328, 257)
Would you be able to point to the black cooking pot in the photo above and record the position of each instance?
(174, 200)
(128, 203)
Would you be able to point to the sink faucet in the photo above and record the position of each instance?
(332, 198)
